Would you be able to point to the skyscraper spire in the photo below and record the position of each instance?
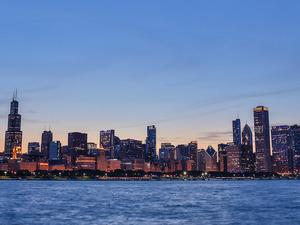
(15, 95)
(13, 135)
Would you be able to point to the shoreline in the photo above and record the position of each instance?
(145, 179)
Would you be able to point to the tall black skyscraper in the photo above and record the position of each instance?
(151, 143)
(107, 142)
(237, 133)
(282, 158)
(247, 155)
(13, 135)
(247, 136)
(47, 138)
(262, 139)
(295, 148)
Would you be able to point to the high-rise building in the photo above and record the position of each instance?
(207, 160)
(262, 139)
(193, 154)
(247, 136)
(165, 151)
(233, 158)
(151, 144)
(247, 154)
(295, 148)
(77, 140)
(55, 150)
(47, 138)
(131, 149)
(247, 159)
(33, 147)
(13, 135)
(222, 153)
(107, 142)
(236, 128)
(281, 149)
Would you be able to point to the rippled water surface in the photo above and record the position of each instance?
(154, 202)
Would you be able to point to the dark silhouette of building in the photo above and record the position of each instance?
(107, 142)
(33, 147)
(182, 152)
(236, 127)
(222, 152)
(77, 140)
(13, 135)
(193, 154)
(281, 149)
(131, 149)
(247, 136)
(47, 138)
(295, 148)
(247, 154)
(262, 139)
(151, 154)
(207, 160)
(165, 151)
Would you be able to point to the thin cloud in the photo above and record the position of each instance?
(214, 135)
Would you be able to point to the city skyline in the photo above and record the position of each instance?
(190, 69)
(235, 135)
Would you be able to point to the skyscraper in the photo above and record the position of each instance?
(281, 149)
(233, 158)
(247, 137)
(236, 128)
(13, 135)
(295, 148)
(54, 150)
(247, 154)
(107, 142)
(47, 138)
(33, 147)
(222, 153)
(151, 144)
(262, 139)
(193, 154)
(165, 151)
(77, 140)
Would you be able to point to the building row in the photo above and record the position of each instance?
(275, 149)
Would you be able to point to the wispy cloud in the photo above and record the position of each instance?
(214, 135)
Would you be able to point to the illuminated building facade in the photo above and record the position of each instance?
(77, 140)
(222, 153)
(33, 147)
(236, 127)
(55, 150)
(281, 149)
(131, 149)
(107, 142)
(247, 154)
(262, 139)
(47, 138)
(150, 154)
(295, 148)
(233, 159)
(13, 135)
(165, 151)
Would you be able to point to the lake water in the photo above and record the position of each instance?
(153, 202)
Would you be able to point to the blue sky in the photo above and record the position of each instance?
(190, 67)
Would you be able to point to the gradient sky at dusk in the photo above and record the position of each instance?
(189, 67)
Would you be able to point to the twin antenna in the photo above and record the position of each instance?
(15, 94)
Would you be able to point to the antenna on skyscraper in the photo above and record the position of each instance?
(15, 94)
